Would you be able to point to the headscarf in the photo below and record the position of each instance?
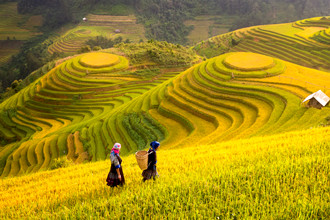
(116, 148)
(154, 145)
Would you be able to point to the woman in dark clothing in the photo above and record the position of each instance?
(151, 171)
(116, 175)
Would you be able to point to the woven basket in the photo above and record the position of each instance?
(142, 159)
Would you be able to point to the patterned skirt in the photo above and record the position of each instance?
(148, 174)
(113, 180)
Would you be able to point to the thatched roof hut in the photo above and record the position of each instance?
(317, 100)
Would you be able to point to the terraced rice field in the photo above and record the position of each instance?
(205, 27)
(83, 106)
(222, 99)
(70, 42)
(73, 39)
(14, 25)
(14, 29)
(304, 42)
(8, 48)
(71, 99)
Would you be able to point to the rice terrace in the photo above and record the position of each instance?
(242, 118)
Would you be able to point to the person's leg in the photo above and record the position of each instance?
(154, 174)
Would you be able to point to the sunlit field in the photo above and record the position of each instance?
(237, 140)
(83, 106)
(283, 176)
(304, 42)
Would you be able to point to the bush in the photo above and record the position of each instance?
(97, 48)
(85, 49)
(60, 162)
(14, 84)
(103, 42)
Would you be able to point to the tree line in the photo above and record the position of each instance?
(163, 19)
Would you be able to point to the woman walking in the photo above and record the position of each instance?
(151, 171)
(116, 175)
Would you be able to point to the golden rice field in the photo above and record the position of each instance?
(284, 176)
(87, 103)
(249, 61)
(305, 42)
(236, 140)
(74, 98)
(98, 60)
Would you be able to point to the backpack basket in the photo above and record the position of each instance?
(142, 159)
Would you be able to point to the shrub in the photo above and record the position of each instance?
(14, 84)
(60, 162)
(97, 48)
(85, 49)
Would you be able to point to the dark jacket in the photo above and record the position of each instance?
(152, 159)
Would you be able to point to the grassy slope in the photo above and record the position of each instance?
(282, 176)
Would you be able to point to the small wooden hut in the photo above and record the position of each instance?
(317, 100)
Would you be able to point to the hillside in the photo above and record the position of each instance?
(62, 113)
(15, 29)
(276, 177)
(236, 140)
(223, 98)
(205, 27)
(164, 20)
(305, 42)
(174, 22)
(90, 101)
(70, 41)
